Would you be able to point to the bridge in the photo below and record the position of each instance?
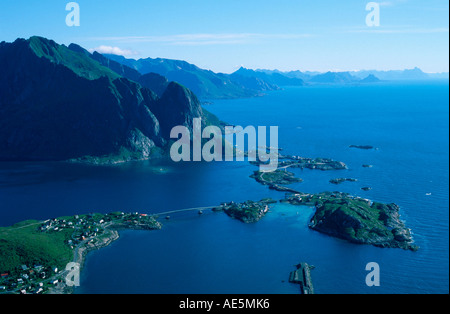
(183, 210)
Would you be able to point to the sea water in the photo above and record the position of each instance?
(211, 253)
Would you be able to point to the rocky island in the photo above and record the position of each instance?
(276, 179)
(356, 219)
(367, 147)
(247, 212)
(342, 180)
(280, 177)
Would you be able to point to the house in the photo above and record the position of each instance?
(4, 275)
(24, 267)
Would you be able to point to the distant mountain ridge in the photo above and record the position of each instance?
(355, 76)
(408, 74)
(334, 77)
(61, 103)
(272, 80)
(204, 83)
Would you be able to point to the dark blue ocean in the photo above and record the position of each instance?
(408, 123)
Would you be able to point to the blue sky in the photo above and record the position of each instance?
(223, 35)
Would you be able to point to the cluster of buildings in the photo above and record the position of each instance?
(28, 279)
(36, 279)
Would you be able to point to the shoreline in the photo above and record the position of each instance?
(247, 212)
(81, 253)
(76, 235)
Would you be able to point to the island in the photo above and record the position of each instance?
(247, 212)
(34, 254)
(342, 180)
(280, 177)
(362, 147)
(355, 219)
(276, 179)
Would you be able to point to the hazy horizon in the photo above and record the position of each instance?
(224, 35)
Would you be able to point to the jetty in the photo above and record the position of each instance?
(302, 276)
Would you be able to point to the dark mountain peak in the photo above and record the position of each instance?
(155, 82)
(77, 48)
(41, 43)
(177, 106)
(74, 58)
(179, 97)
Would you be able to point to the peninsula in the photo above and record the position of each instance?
(34, 254)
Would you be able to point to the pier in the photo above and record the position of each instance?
(302, 276)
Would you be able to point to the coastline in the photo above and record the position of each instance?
(80, 254)
(247, 212)
(80, 234)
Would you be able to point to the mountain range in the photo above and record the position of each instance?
(63, 103)
(244, 82)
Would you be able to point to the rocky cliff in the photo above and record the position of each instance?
(58, 103)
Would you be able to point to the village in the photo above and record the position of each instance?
(79, 233)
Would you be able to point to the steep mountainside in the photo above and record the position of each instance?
(58, 103)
